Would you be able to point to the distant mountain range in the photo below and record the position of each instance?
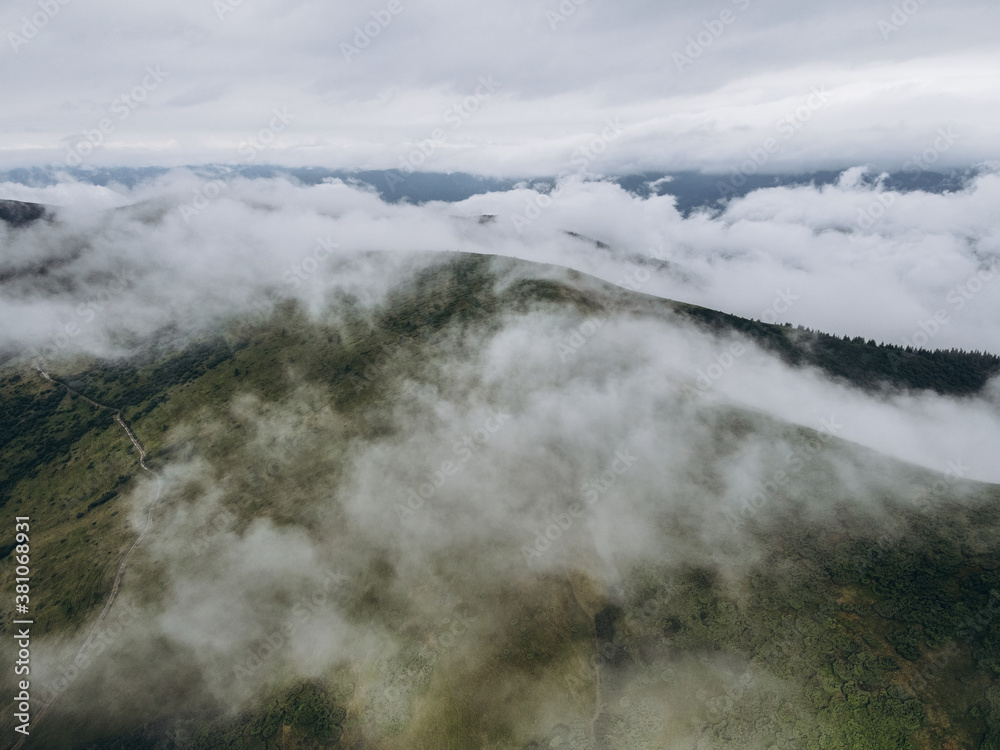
(693, 190)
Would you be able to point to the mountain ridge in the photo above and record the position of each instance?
(826, 605)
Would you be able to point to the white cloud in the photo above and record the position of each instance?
(820, 257)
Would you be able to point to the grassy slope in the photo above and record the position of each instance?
(838, 623)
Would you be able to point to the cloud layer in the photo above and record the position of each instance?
(849, 259)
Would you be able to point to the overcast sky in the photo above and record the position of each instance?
(511, 87)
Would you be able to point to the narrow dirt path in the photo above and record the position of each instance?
(598, 699)
(116, 584)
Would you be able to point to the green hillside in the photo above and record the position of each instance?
(858, 606)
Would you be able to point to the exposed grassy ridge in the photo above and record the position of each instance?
(59, 455)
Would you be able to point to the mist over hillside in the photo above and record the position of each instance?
(406, 486)
(119, 270)
(780, 254)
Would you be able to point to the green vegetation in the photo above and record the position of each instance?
(854, 643)
(303, 715)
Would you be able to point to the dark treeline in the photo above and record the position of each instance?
(866, 364)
